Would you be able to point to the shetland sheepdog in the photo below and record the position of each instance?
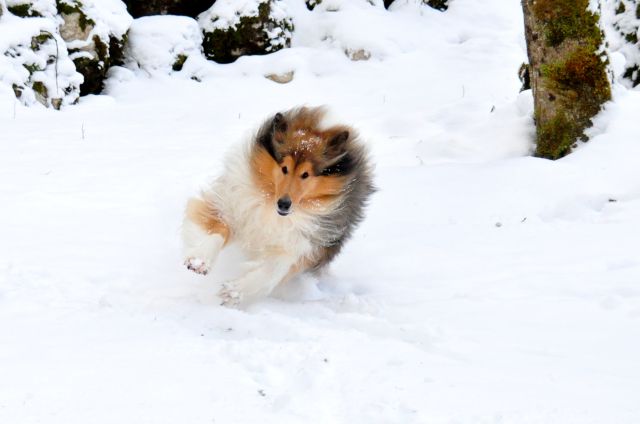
(290, 197)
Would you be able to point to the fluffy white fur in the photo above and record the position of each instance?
(200, 249)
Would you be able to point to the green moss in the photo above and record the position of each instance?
(249, 37)
(24, 11)
(638, 11)
(40, 39)
(567, 19)
(583, 69)
(179, 63)
(75, 7)
(40, 88)
(32, 67)
(621, 8)
(555, 137)
(581, 86)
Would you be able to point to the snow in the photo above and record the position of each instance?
(46, 8)
(154, 49)
(226, 14)
(617, 26)
(110, 20)
(50, 63)
(484, 286)
(111, 17)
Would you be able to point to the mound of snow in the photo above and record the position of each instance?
(163, 43)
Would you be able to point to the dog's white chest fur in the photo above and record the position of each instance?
(253, 218)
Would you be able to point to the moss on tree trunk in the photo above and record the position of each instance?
(567, 69)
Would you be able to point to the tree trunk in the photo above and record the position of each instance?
(567, 69)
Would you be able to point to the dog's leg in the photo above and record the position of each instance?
(204, 233)
(258, 282)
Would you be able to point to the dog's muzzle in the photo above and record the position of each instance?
(284, 205)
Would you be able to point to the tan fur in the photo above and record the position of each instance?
(314, 193)
(207, 217)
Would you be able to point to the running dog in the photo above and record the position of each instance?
(290, 197)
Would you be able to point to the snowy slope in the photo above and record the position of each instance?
(485, 286)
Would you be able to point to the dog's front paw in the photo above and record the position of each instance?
(197, 265)
(230, 295)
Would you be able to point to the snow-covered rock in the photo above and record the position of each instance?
(233, 28)
(95, 33)
(163, 43)
(622, 27)
(35, 63)
(441, 5)
(191, 8)
(32, 8)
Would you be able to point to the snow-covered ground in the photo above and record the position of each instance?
(485, 286)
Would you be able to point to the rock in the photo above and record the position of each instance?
(441, 5)
(191, 8)
(35, 63)
(437, 4)
(153, 48)
(32, 8)
(311, 4)
(283, 78)
(358, 55)
(95, 32)
(623, 36)
(233, 28)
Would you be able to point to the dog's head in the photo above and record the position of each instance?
(300, 165)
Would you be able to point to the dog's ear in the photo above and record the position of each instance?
(270, 135)
(337, 158)
(336, 146)
(279, 123)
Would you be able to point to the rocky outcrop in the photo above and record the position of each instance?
(568, 71)
(624, 37)
(436, 4)
(32, 8)
(95, 34)
(234, 28)
(191, 8)
(47, 41)
(35, 62)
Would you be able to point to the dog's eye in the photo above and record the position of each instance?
(304, 175)
(284, 170)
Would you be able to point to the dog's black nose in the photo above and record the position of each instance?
(284, 205)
